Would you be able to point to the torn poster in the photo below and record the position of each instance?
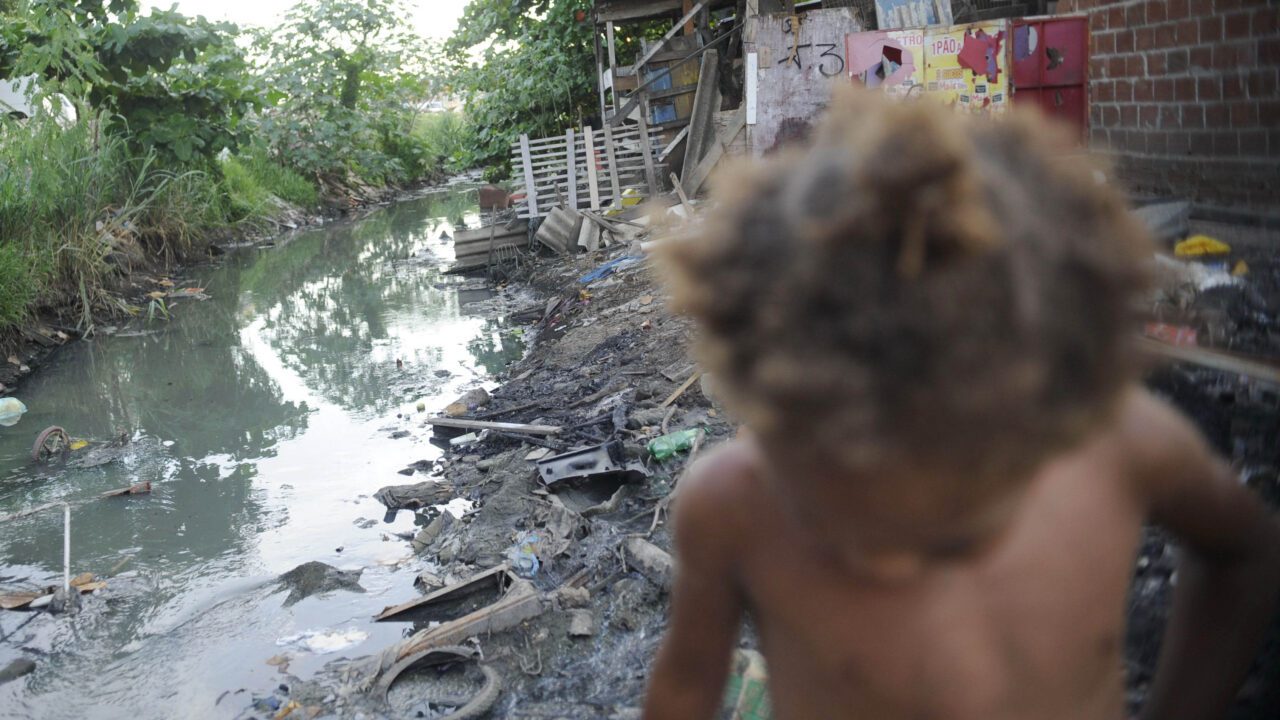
(892, 60)
(967, 66)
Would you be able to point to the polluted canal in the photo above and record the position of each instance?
(265, 417)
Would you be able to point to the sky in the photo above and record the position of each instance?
(434, 18)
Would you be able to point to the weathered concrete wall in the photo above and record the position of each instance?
(798, 60)
(1187, 95)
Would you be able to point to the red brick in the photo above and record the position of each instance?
(1224, 57)
(1200, 7)
(1226, 143)
(1244, 114)
(1155, 11)
(1144, 90)
(1177, 61)
(1124, 91)
(1253, 143)
(1184, 90)
(1177, 9)
(1166, 35)
(1164, 90)
(1211, 29)
(1097, 21)
(1124, 41)
(1098, 68)
(1170, 116)
(1234, 87)
(1156, 64)
(1201, 143)
(1104, 91)
(1209, 88)
(1157, 143)
(1236, 25)
(1115, 17)
(1266, 20)
(1179, 143)
(1269, 114)
(1144, 38)
(1269, 51)
(1273, 143)
(1227, 5)
(1188, 32)
(1135, 16)
(1110, 115)
(1128, 116)
(1263, 83)
(1104, 44)
(1193, 117)
(1098, 137)
(1216, 116)
(1135, 66)
(1202, 57)
(1148, 116)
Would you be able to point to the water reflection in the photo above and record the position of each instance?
(259, 415)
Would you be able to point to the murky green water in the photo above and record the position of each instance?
(262, 416)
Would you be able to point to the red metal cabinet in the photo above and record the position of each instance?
(1050, 67)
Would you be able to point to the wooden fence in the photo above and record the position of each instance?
(606, 163)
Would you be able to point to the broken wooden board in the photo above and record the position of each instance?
(702, 171)
(1216, 359)
(141, 488)
(522, 602)
(20, 600)
(652, 561)
(496, 580)
(462, 424)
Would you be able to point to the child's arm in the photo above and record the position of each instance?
(688, 677)
(1228, 578)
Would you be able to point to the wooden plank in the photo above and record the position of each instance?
(681, 390)
(528, 173)
(589, 142)
(650, 177)
(705, 105)
(714, 153)
(667, 36)
(680, 136)
(461, 424)
(1215, 359)
(753, 72)
(571, 168)
(684, 199)
(613, 63)
(611, 155)
(616, 10)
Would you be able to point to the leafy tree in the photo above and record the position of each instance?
(176, 85)
(535, 73)
(343, 76)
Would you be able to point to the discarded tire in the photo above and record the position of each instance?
(53, 441)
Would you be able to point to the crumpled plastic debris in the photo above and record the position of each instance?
(11, 411)
(523, 556)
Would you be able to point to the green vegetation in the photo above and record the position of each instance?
(175, 134)
(445, 137)
(251, 180)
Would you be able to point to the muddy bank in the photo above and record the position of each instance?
(608, 366)
(26, 348)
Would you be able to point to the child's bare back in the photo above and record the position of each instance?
(960, 563)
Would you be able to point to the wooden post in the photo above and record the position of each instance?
(688, 26)
(613, 63)
(588, 140)
(572, 168)
(530, 190)
(595, 37)
(650, 177)
(706, 101)
(613, 166)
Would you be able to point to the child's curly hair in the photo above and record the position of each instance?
(917, 290)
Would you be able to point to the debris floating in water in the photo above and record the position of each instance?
(323, 642)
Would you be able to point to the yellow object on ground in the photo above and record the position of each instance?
(79, 444)
(1241, 269)
(1198, 245)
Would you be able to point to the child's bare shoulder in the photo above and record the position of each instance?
(717, 489)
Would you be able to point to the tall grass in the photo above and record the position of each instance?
(445, 137)
(78, 209)
(251, 179)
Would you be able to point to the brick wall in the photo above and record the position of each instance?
(1186, 93)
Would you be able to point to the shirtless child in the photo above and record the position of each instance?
(924, 324)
